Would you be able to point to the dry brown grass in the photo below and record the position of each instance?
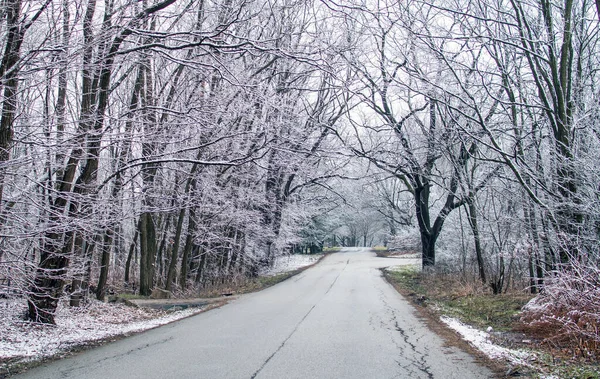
(567, 326)
(567, 313)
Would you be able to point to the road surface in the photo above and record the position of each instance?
(339, 319)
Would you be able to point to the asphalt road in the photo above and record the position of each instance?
(339, 319)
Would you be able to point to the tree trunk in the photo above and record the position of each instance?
(200, 270)
(132, 249)
(48, 283)
(472, 215)
(190, 184)
(147, 253)
(107, 244)
(80, 285)
(161, 256)
(171, 274)
(421, 197)
(8, 70)
(189, 240)
(428, 250)
(497, 282)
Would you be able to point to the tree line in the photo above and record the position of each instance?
(159, 144)
(481, 114)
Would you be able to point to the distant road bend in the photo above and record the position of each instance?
(339, 319)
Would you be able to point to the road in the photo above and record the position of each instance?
(339, 319)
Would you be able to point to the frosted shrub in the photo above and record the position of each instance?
(567, 312)
(406, 241)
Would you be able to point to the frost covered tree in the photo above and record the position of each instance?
(408, 127)
(158, 143)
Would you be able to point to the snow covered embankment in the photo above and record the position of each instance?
(23, 340)
(481, 340)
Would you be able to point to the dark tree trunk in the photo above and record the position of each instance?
(200, 270)
(497, 282)
(421, 197)
(81, 283)
(49, 281)
(107, 244)
(428, 250)
(147, 253)
(536, 271)
(8, 70)
(189, 240)
(132, 249)
(171, 273)
(472, 214)
(163, 251)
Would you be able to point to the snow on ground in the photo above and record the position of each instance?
(23, 340)
(292, 262)
(481, 340)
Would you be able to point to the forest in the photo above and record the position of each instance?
(185, 144)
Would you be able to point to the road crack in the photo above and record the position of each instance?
(417, 359)
(283, 343)
(67, 372)
(297, 325)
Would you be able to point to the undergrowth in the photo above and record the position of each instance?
(467, 301)
(245, 286)
(567, 315)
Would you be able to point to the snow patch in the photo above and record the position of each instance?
(291, 262)
(481, 340)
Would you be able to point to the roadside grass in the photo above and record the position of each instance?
(246, 286)
(580, 372)
(566, 368)
(262, 282)
(333, 249)
(501, 312)
(469, 302)
(385, 252)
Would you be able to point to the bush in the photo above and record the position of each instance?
(406, 241)
(567, 312)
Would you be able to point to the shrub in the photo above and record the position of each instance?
(406, 241)
(566, 314)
